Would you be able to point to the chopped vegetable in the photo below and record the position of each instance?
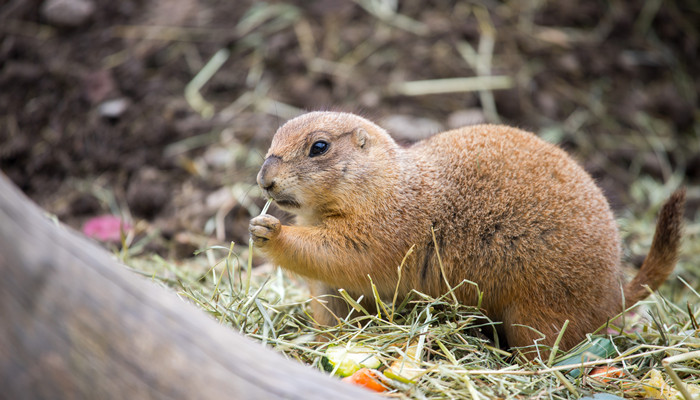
(345, 360)
(597, 348)
(106, 228)
(606, 374)
(368, 378)
(406, 369)
(656, 387)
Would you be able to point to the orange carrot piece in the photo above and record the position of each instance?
(368, 378)
(606, 374)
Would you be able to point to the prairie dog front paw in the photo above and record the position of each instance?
(264, 228)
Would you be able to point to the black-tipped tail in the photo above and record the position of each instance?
(663, 254)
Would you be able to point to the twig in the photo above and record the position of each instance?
(668, 361)
(382, 11)
(585, 364)
(487, 42)
(398, 282)
(193, 96)
(451, 85)
(555, 347)
(442, 268)
(249, 271)
(566, 383)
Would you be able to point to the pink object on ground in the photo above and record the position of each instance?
(105, 228)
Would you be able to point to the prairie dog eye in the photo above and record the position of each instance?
(319, 147)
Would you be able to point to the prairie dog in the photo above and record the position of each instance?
(510, 212)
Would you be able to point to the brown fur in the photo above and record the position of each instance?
(510, 212)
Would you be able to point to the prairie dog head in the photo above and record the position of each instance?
(319, 163)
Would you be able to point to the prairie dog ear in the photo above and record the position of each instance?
(360, 137)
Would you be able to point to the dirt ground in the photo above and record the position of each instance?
(94, 118)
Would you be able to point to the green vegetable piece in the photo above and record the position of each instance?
(598, 348)
(345, 360)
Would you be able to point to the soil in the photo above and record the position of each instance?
(94, 117)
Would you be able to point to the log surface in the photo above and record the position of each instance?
(75, 324)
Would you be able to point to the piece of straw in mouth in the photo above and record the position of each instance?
(249, 270)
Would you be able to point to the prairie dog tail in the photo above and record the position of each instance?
(663, 254)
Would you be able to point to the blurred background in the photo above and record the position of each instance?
(160, 111)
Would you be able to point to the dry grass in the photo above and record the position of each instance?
(661, 339)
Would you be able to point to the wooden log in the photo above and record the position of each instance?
(75, 324)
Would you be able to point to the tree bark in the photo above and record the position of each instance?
(75, 324)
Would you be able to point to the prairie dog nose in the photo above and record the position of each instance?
(268, 172)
